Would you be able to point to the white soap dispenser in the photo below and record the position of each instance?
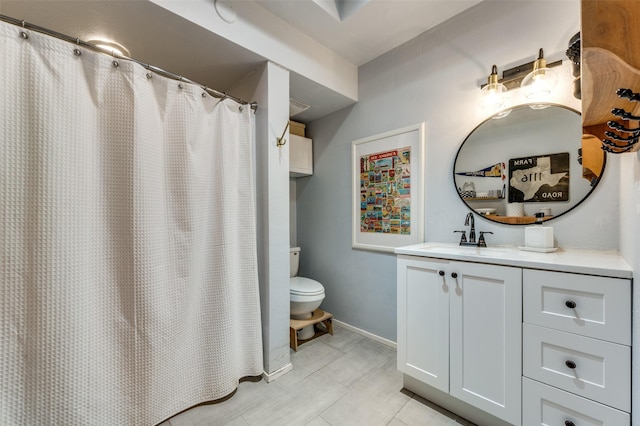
(538, 236)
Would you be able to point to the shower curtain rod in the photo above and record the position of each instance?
(160, 71)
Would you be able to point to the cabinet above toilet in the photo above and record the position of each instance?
(300, 156)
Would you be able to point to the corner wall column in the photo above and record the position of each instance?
(272, 187)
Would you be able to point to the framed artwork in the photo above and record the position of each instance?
(388, 189)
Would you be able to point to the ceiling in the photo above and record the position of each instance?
(376, 27)
(357, 30)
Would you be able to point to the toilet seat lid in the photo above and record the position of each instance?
(305, 286)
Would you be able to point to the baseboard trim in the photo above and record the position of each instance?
(270, 377)
(371, 336)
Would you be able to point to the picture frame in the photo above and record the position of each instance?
(539, 178)
(388, 189)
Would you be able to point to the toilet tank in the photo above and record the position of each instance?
(294, 261)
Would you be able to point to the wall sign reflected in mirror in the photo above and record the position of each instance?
(541, 178)
(531, 161)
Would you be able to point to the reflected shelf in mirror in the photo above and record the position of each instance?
(515, 220)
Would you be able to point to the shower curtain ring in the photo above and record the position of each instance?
(23, 34)
(77, 51)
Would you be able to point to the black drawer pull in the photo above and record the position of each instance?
(454, 275)
(570, 364)
(569, 423)
(441, 273)
(570, 304)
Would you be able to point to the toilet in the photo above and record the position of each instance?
(305, 294)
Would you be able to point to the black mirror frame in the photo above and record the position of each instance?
(587, 195)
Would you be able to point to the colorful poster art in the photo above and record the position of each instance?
(385, 192)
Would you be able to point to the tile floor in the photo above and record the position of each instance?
(344, 379)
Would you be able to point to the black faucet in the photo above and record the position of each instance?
(470, 221)
(472, 232)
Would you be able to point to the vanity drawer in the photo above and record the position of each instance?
(545, 405)
(597, 307)
(588, 367)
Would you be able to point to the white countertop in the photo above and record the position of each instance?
(604, 263)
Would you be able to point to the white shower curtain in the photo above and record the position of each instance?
(128, 270)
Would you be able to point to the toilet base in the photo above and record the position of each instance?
(306, 333)
(318, 316)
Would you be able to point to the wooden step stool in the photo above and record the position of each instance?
(318, 316)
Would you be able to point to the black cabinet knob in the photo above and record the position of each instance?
(570, 304)
(569, 423)
(570, 364)
(454, 275)
(441, 273)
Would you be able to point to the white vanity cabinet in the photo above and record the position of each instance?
(300, 156)
(459, 330)
(501, 336)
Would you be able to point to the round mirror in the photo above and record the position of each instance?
(532, 162)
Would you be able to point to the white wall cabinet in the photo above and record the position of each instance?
(459, 330)
(300, 156)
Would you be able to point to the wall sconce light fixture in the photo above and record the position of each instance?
(494, 93)
(536, 78)
(541, 81)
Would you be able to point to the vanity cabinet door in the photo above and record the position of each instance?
(423, 320)
(486, 336)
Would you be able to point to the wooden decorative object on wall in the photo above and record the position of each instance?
(610, 61)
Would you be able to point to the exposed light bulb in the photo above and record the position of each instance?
(493, 96)
(539, 83)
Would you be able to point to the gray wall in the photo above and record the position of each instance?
(434, 78)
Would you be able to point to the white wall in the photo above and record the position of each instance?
(434, 78)
(630, 249)
(272, 173)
